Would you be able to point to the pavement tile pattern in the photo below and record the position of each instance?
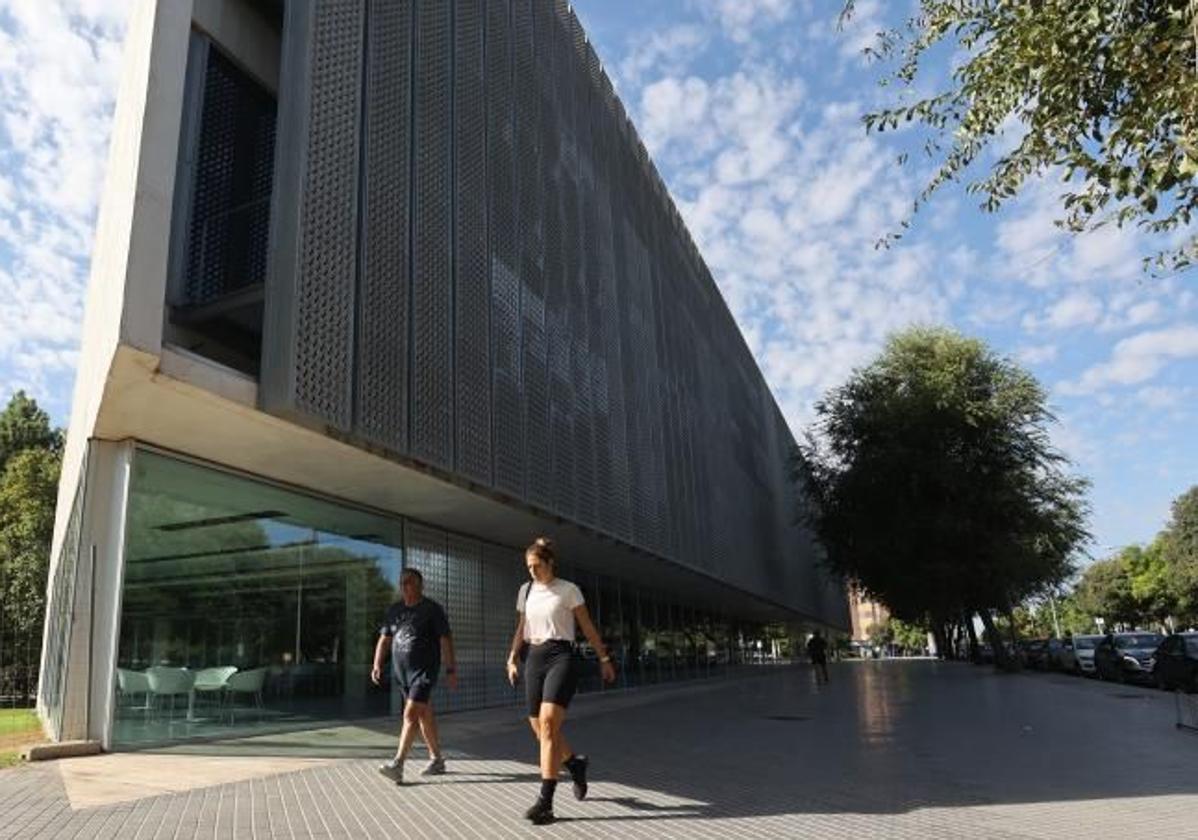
(894, 749)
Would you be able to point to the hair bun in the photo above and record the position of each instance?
(544, 542)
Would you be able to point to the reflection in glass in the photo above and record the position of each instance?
(246, 606)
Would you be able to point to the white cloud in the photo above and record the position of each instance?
(1037, 354)
(58, 74)
(1077, 309)
(668, 52)
(1161, 397)
(1137, 359)
(740, 18)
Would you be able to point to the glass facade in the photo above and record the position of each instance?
(251, 608)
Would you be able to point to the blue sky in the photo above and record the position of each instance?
(751, 110)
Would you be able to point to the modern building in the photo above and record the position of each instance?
(865, 615)
(387, 283)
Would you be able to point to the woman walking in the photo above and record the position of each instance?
(548, 609)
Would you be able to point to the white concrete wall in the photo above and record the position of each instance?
(126, 286)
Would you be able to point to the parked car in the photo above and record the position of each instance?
(1176, 663)
(1035, 653)
(1083, 653)
(1126, 657)
(1061, 656)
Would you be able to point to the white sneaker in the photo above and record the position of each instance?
(393, 770)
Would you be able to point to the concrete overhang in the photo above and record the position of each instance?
(191, 406)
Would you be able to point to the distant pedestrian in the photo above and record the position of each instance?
(548, 608)
(418, 632)
(817, 650)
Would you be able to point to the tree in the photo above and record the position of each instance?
(931, 483)
(1104, 591)
(1152, 591)
(23, 425)
(30, 459)
(1102, 90)
(909, 637)
(1179, 553)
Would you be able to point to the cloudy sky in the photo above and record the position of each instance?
(751, 109)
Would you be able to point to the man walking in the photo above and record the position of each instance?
(817, 649)
(418, 633)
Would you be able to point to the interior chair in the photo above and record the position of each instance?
(211, 681)
(247, 683)
(130, 683)
(169, 683)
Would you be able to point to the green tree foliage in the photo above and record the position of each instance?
(23, 425)
(1104, 591)
(1151, 590)
(28, 489)
(30, 459)
(1179, 552)
(910, 637)
(1103, 90)
(1033, 622)
(931, 483)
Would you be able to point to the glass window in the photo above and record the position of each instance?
(246, 607)
(611, 627)
(650, 666)
(666, 643)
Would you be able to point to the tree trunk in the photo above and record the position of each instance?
(975, 652)
(941, 637)
(1001, 658)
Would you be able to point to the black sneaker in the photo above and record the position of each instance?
(540, 813)
(577, 766)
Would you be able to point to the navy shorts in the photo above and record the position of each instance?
(550, 675)
(416, 683)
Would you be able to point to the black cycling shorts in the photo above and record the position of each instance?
(550, 675)
(416, 683)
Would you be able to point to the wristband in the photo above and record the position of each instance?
(605, 658)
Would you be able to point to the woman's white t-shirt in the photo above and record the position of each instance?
(549, 609)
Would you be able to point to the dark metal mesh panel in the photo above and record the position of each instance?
(229, 219)
(508, 413)
(561, 336)
(530, 189)
(432, 238)
(465, 607)
(328, 249)
(382, 393)
(554, 141)
(472, 282)
(501, 583)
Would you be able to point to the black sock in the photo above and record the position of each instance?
(572, 763)
(548, 786)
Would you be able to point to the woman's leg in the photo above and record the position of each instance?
(564, 751)
(550, 723)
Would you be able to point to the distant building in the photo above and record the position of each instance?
(865, 615)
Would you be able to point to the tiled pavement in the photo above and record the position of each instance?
(891, 749)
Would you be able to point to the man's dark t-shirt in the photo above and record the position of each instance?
(415, 633)
(817, 648)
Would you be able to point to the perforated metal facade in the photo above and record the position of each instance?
(477, 267)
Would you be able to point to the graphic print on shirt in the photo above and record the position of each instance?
(415, 633)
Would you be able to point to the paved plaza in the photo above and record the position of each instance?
(900, 749)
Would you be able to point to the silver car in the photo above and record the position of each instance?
(1083, 652)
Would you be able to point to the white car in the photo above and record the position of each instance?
(1083, 652)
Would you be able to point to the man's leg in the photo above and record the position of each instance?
(413, 711)
(428, 731)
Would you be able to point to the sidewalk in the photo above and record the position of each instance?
(892, 748)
